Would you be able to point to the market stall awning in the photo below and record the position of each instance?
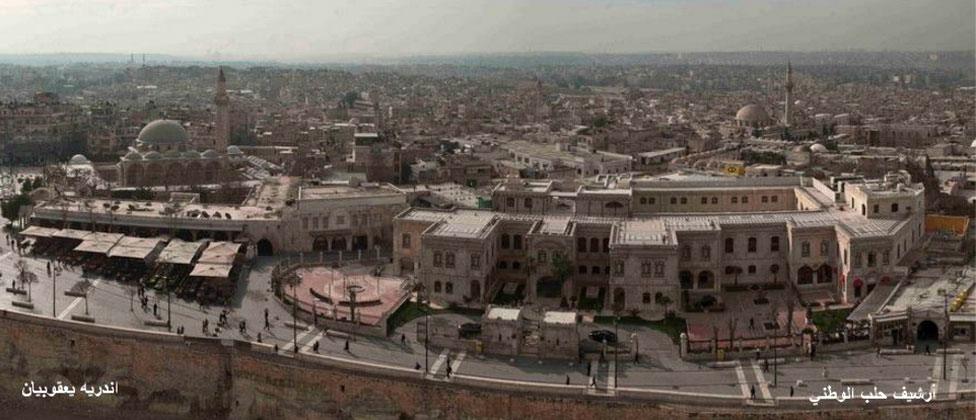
(39, 232)
(211, 270)
(99, 242)
(71, 234)
(220, 253)
(180, 252)
(137, 248)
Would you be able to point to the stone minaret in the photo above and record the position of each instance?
(788, 112)
(222, 120)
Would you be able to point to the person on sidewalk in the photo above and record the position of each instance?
(752, 392)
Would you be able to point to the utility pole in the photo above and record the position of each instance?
(427, 338)
(169, 309)
(54, 292)
(294, 317)
(615, 350)
(945, 333)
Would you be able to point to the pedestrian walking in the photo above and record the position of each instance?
(259, 337)
(449, 370)
(315, 347)
(155, 309)
(276, 348)
(206, 323)
(879, 351)
(403, 339)
(346, 347)
(791, 390)
(593, 381)
(416, 366)
(752, 392)
(765, 365)
(567, 379)
(928, 350)
(824, 373)
(267, 324)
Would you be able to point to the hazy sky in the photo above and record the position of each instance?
(297, 29)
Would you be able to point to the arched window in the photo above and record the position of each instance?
(659, 269)
(714, 200)
(449, 288)
(871, 259)
(510, 201)
(774, 244)
(594, 244)
(517, 242)
(646, 298)
(528, 203)
(406, 241)
(606, 245)
(804, 275)
(894, 207)
(805, 249)
(580, 244)
(685, 278)
(706, 252)
(686, 252)
(752, 244)
(824, 248)
(505, 241)
(437, 287)
(449, 260)
(729, 245)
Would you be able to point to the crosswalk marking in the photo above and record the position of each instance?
(936, 374)
(291, 343)
(441, 358)
(954, 376)
(763, 385)
(307, 347)
(456, 363)
(743, 383)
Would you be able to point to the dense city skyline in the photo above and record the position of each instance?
(311, 31)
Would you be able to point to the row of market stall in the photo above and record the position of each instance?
(204, 270)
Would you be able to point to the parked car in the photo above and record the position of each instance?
(469, 329)
(603, 335)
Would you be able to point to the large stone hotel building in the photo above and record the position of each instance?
(632, 243)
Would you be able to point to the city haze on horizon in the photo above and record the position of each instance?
(309, 31)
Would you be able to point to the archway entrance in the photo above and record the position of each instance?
(320, 244)
(264, 248)
(927, 331)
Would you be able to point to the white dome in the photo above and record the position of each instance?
(172, 154)
(78, 160)
(154, 155)
(234, 150)
(818, 148)
(752, 113)
(191, 154)
(209, 154)
(133, 155)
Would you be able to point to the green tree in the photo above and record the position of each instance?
(561, 267)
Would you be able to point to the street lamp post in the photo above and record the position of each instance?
(615, 350)
(945, 333)
(54, 292)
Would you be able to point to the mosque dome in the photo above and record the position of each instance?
(163, 132)
(234, 150)
(191, 154)
(801, 149)
(818, 148)
(752, 113)
(133, 155)
(209, 154)
(154, 155)
(173, 154)
(78, 160)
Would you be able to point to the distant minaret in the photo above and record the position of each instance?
(788, 114)
(222, 120)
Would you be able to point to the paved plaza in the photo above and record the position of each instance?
(659, 366)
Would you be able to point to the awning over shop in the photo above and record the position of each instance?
(98, 242)
(39, 232)
(211, 270)
(136, 248)
(220, 253)
(180, 252)
(71, 234)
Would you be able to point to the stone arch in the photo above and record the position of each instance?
(619, 298)
(825, 274)
(927, 331)
(686, 279)
(265, 248)
(706, 280)
(804, 275)
(320, 244)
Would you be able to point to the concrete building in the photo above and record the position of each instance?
(685, 240)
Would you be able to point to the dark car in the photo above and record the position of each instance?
(469, 329)
(603, 335)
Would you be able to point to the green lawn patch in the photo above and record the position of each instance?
(830, 320)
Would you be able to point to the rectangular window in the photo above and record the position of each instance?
(765, 199)
(774, 244)
(315, 223)
(674, 200)
(406, 241)
(651, 200)
(475, 262)
(704, 200)
(735, 200)
(805, 249)
(745, 200)
(684, 200)
(774, 198)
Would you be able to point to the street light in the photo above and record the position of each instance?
(945, 334)
(54, 291)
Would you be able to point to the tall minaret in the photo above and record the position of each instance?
(222, 120)
(788, 114)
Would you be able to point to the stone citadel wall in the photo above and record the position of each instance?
(210, 378)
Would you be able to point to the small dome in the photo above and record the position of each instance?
(234, 150)
(209, 154)
(191, 154)
(154, 155)
(78, 160)
(173, 154)
(133, 155)
(752, 113)
(163, 132)
(818, 148)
